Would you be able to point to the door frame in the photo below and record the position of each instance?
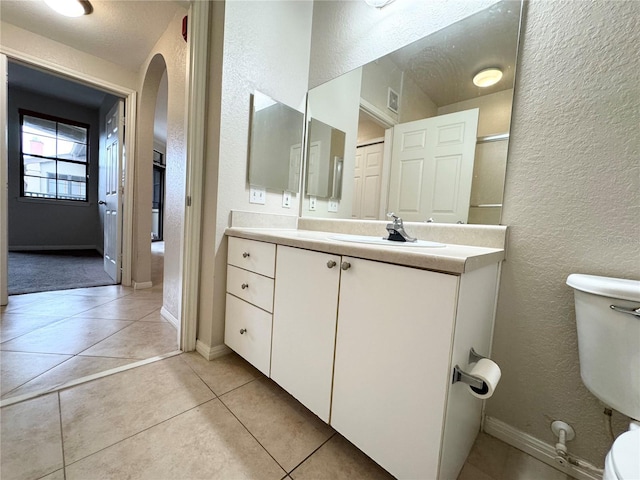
(130, 97)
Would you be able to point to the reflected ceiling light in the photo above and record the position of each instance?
(487, 77)
(70, 8)
(378, 3)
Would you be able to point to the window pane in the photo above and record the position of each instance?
(39, 126)
(72, 133)
(72, 151)
(35, 144)
(72, 171)
(39, 187)
(39, 166)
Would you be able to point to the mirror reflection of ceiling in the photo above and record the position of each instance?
(444, 63)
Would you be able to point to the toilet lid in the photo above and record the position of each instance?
(625, 455)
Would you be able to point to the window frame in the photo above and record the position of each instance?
(59, 120)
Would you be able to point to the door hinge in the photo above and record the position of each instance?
(188, 200)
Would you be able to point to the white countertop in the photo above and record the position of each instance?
(454, 259)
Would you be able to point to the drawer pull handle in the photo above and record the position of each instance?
(331, 264)
(345, 265)
(245, 285)
(242, 331)
(245, 254)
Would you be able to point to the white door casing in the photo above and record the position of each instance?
(4, 199)
(113, 159)
(432, 167)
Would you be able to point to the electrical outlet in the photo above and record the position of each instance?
(286, 199)
(312, 204)
(257, 195)
(333, 206)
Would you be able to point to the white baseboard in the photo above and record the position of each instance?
(537, 448)
(168, 316)
(211, 352)
(142, 285)
(29, 248)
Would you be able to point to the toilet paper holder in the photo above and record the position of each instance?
(460, 375)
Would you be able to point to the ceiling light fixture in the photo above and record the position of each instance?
(378, 3)
(70, 8)
(487, 77)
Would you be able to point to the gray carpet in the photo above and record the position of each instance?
(44, 271)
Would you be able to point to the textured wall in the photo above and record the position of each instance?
(572, 203)
(174, 50)
(266, 48)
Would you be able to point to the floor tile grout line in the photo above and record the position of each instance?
(312, 453)
(199, 377)
(64, 470)
(141, 431)
(48, 370)
(249, 431)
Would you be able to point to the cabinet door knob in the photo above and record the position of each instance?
(331, 264)
(245, 286)
(242, 330)
(345, 265)
(245, 254)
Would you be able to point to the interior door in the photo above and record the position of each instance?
(4, 198)
(112, 168)
(368, 176)
(432, 167)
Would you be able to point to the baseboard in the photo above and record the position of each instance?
(35, 248)
(537, 448)
(168, 316)
(142, 285)
(211, 352)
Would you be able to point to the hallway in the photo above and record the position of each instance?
(50, 338)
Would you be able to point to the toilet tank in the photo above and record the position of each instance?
(609, 340)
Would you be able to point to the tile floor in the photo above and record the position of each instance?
(49, 338)
(179, 418)
(186, 418)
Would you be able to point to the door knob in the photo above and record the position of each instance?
(244, 286)
(242, 331)
(331, 264)
(345, 265)
(102, 202)
(245, 254)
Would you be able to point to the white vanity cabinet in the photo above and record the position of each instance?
(369, 347)
(250, 272)
(304, 325)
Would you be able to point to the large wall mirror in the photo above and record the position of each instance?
(420, 137)
(275, 145)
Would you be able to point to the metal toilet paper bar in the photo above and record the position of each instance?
(460, 375)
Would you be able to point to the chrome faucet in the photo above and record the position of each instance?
(396, 230)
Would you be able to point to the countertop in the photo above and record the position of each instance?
(453, 259)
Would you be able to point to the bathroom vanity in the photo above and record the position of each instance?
(366, 336)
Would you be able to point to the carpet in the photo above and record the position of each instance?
(42, 271)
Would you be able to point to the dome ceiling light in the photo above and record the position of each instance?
(70, 8)
(487, 77)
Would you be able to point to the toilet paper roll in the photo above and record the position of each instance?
(489, 372)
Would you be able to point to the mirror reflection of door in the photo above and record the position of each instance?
(158, 196)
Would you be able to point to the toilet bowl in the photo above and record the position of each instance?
(608, 325)
(623, 460)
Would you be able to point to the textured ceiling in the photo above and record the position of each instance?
(122, 32)
(444, 63)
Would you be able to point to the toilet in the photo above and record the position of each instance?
(608, 324)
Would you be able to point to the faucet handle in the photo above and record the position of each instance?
(396, 219)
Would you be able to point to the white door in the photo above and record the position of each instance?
(313, 175)
(368, 175)
(432, 167)
(113, 168)
(4, 196)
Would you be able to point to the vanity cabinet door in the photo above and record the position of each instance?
(394, 335)
(304, 325)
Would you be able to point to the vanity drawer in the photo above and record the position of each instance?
(248, 332)
(249, 286)
(259, 257)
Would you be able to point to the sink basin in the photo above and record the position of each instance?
(383, 241)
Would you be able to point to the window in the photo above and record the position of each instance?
(54, 157)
